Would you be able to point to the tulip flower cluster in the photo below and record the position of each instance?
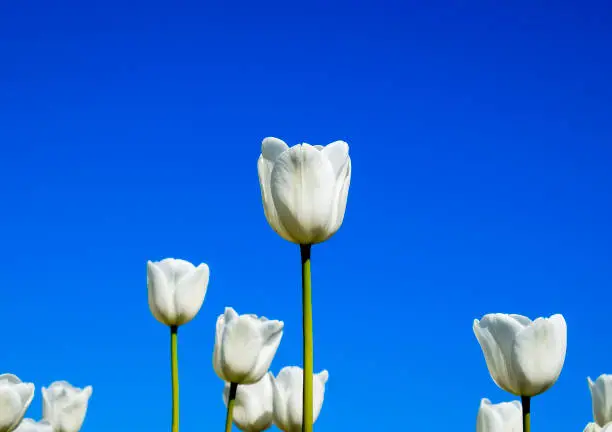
(64, 406)
(304, 191)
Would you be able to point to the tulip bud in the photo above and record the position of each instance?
(601, 397)
(65, 406)
(253, 405)
(288, 397)
(176, 290)
(501, 417)
(524, 357)
(304, 188)
(245, 346)
(29, 425)
(15, 398)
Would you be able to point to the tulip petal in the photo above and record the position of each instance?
(539, 353)
(302, 186)
(240, 348)
(272, 148)
(30, 425)
(217, 360)
(160, 294)
(175, 269)
(601, 396)
(337, 154)
(190, 294)
(253, 406)
(341, 194)
(271, 334)
(10, 408)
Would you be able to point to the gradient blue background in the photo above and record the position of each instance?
(481, 144)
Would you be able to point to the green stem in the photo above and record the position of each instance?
(526, 404)
(230, 406)
(175, 380)
(307, 329)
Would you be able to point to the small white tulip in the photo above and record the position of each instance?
(245, 346)
(524, 357)
(288, 397)
(601, 396)
(253, 405)
(29, 425)
(15, 398)
(65, 406)
(501, 417)
(176, 290)
(304, 188)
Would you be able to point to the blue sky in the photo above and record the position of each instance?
(481, 145)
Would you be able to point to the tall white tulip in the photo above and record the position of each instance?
(29, 425)
(524, 357)
(65, 406)
(501, 417)
(176, 290)
(253, 405)
(245, 346)
(601, 397)
(288, 394)
(176, 293)
(15, 398)
(304, 188)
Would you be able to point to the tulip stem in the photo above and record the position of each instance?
(175, 381)
(230, 406)
(307, 396)
(526, 404)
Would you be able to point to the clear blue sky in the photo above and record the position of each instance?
(481, 144)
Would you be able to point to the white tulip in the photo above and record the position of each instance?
(29, 425)
(65, 406)
(288, 397)
(601, 396)
(245, 346)
(15, 398)
(304, 188)
(501, 417)
(253, 405)
(176, 290)
(524, 357)
(594, 427)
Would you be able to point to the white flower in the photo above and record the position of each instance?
(524, 357)
(65, 406)
(253, 405)
(29, 425)
(176, 290)
(501, 417)
(594, 427)
(304, 188)
(15, 398)
(601, 396)
(288, 397)
(245, 346)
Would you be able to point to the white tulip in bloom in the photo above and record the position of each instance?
(601, 396)
(501, 417)
(245, 346)
(253, 405)
(65, 406)
(15, 398)
(288, 398)
(29, 425)
(176, 290)
(524, 357)
(304, 188)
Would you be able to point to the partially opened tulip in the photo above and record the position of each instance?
(601, 397)
(524, 357)
(65, 406)
(176, 292)
(245, 346)
(29, 425)
(501, 417)
(304, 190)
(288, 394)
(253, 405)
(15, 398)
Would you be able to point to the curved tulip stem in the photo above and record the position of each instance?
(175, 381)
(307, 330)
(230, 406)
(526, 404)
